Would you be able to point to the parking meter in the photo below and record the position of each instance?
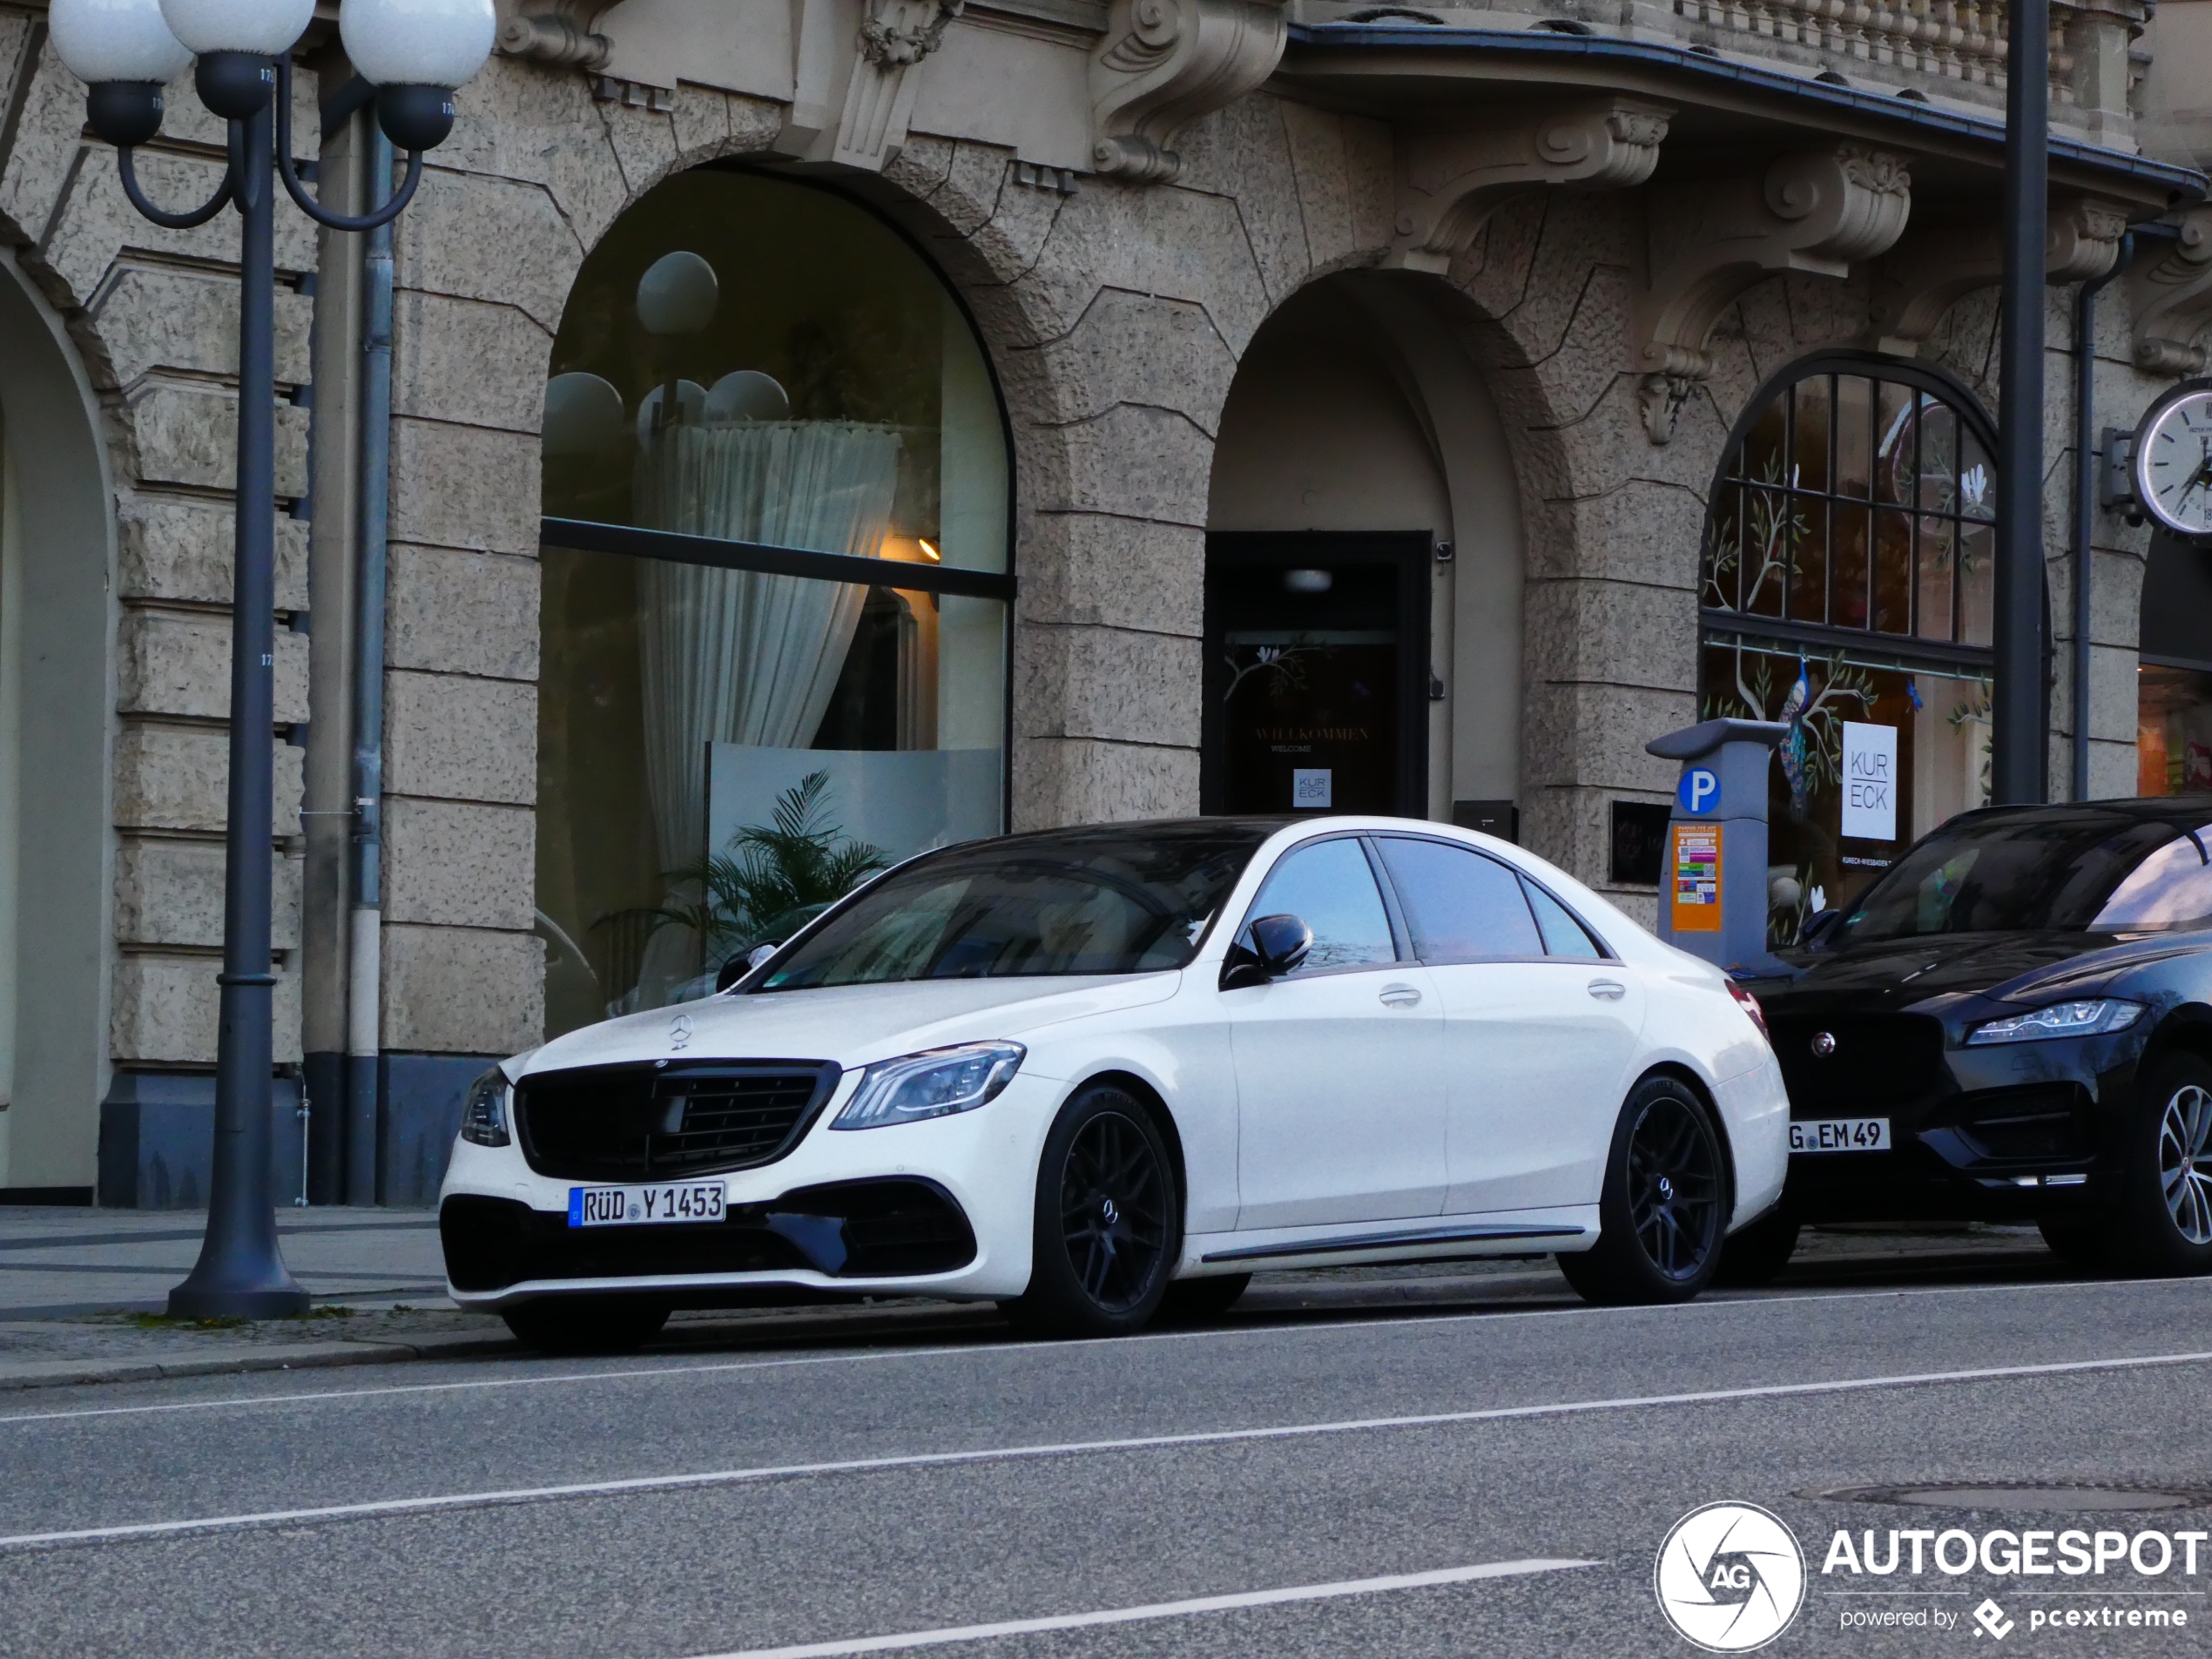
(1713, 885)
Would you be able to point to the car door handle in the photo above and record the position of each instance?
(1399, 996)
(1611, 989)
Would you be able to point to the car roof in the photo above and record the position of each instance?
(2188, 811)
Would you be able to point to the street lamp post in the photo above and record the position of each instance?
(2017, 739)
(415, 52)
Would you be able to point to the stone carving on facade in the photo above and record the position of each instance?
(1817, 211)
(855, 89)
(1449, 184)
(1165, 62)
(2172, 296)
(565, 35)
(1931, 269)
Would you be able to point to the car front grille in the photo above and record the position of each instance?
(1877, 1061)
(668, 1120)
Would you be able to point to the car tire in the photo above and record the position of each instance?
(1200, 1301)
(2166, 1202)
(569, 1324)
(1108, 1228)
(1756, 1254)
(1664, 1205)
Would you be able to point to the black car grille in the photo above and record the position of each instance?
(885, 1228)
(1878, 1060)
(666, 1122)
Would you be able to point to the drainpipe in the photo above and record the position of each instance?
(2085, 498)
(364, 1021)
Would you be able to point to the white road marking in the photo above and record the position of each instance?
(1067, 1448)
(1381, 1321)
(1159, 1611)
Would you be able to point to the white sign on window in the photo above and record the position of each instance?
(1869, 781)
(1309, 788)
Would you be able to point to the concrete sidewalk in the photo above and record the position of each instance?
(62, 1263)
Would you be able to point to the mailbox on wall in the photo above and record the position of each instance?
(1712, 882)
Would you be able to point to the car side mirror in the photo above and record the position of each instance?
(1279, 945)
(738, 967)
(1818, 927)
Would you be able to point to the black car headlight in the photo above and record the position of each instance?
(2091, 1017)
(934, 1084)
(483, 1118)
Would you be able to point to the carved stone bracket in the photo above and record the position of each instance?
(1449, 184)
(562, 36)
(2173, 300)
(1815, 211)
(1933, 268)
(1165, 62)
(855, 92)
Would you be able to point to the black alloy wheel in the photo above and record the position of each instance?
(1664, 1205)
(1108, 1228)
(568, 1325)
(2166, 1204)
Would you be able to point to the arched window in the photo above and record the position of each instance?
(774, 585)
(1846, 587)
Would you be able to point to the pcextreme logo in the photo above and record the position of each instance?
(1729, 1577)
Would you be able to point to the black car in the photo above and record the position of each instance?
(2013, 1023)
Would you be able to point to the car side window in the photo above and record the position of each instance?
(2171, 888)
(1329, 886)
(1563, 934)
(1460, 907)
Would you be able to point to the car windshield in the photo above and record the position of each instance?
(2068, 874)
(1130, 900)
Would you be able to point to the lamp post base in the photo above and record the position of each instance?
(242, 1300)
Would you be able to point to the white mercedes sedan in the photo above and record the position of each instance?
(1102, 1073)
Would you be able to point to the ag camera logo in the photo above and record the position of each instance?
(1729, 1577)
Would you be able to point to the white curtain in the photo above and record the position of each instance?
(735, 656)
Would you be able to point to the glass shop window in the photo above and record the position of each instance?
(1847, 588)
(775, 584)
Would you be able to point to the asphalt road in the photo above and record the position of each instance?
(801, 1493)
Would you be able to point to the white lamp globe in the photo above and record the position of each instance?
(264, 28)
(417, 43)
(583, 415)
(747, 395)
(116, 40)
(677, 294)
(691, 408)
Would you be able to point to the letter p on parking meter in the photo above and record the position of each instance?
(1712, 897)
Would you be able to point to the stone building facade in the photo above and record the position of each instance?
(1517, 279)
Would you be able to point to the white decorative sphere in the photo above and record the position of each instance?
(116, 40)
(690, 404)
(583, 415)
(747, 396)
(417, 43)
(264, 28)
(677, 294)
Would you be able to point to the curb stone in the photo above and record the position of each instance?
(264, 1355)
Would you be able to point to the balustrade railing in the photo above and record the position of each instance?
(1959, 40)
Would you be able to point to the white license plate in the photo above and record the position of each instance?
(1841, 1135)
(647, 1206)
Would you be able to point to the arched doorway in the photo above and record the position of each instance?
(56, 708)
(1363, 643)
(775, 550)
(1846, 590)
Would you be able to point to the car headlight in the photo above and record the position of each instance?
(483, 1118)
(2092, 1017)
(934, 1083)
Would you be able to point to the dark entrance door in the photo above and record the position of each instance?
(1316, 673)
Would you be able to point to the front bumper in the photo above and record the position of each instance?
(943, 1208)
(2009, 1132)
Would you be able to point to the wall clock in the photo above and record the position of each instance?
(2171, 466)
